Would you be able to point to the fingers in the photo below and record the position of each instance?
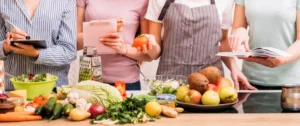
(145, 50)
(237, 43)
(18, 34)
(246, 45)
(236, 83)
(112, 35)
(112, 43)
(251, 87)
(23, 46)
(17, 49)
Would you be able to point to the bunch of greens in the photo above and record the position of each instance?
(35, 78)
(132, 110)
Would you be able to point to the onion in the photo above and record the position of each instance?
(96, 110)
(3, 95)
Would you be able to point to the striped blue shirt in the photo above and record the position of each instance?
(55, 22)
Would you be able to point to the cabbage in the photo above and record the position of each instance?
(98, 93)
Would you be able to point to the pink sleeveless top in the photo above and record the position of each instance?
(117, 67)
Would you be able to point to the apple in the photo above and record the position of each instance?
(193, 97)
(228, 95)
(210, 98)
(182, 91)
(212, 87)
(223, 82)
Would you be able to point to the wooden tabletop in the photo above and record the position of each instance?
(193, 119)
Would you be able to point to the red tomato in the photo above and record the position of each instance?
(140, 41)
(34, 105)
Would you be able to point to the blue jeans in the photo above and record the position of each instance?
(132, 86)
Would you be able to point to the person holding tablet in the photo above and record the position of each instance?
(274, 25)
(123, 65)
(51, 20)
(193, 30)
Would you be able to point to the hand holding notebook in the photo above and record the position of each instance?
(257, 52)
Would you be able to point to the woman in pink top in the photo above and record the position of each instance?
(123, 65)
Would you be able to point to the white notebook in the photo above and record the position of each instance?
(257, 52)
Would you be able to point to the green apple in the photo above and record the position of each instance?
(228, 95)
(210, 97)
(182, 91)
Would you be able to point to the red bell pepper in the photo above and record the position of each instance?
(121, 86)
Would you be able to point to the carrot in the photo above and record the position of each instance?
(20, 113)
(18, 118)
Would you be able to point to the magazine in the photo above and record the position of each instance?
(257, 52)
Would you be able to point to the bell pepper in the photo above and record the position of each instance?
(121, 86)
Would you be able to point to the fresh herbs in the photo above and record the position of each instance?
(132, 110)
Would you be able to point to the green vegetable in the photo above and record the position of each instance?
(35, 78)
(132, 110)
(39, 110)
(67, 108)
(57, 111)
(94, 92)
(164, 87)
(147, 97)
(50, 104)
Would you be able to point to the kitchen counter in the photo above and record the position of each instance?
(253, 109)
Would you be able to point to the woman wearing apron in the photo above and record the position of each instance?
(272, 23)
(192, 32)
(123, 65)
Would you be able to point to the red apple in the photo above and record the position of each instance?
(193, 97)
(212, 87)
(223, 82)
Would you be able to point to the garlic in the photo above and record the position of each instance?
(73, 97)
(81, 104)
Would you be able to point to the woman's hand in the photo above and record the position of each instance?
(238, 38)
(151, 44)
(115, 42)
(6, 44)
(17, 34)
(240, 81)
(27, 50)
(271, 62)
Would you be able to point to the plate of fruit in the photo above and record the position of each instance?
(207, 90)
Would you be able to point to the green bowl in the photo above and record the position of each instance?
(35, 88)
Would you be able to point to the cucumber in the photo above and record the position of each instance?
(57, 111)
(39, 110)
(67, 109)
(50, 104)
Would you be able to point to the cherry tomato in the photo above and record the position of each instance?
(34, 105)
(140, 41)
(38, 99)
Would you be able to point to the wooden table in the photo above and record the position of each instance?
(193, 120)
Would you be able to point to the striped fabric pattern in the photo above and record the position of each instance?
(55, 22)
(191, 40)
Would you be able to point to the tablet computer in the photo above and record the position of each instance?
(34, 43)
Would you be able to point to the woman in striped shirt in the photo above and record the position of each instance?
(51, 20)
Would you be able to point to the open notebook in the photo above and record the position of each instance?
(257, 52)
